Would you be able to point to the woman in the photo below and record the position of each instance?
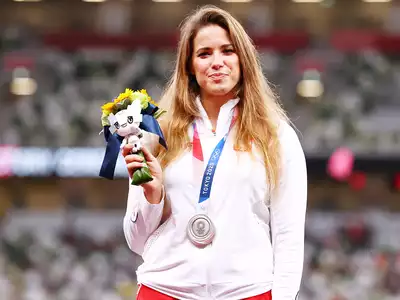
(233, 171)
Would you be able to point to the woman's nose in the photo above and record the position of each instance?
(218, 61)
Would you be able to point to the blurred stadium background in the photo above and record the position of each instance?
(335, 64)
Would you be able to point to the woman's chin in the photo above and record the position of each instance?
(220, 91)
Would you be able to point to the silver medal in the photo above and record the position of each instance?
(200, 230)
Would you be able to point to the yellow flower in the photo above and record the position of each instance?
(125, 95)
(130, 95)
(108, 107)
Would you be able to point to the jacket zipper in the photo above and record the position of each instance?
(208, 283)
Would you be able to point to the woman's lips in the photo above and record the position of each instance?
(217, 76)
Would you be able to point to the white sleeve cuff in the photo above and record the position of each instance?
(149, 210)
(141, 219)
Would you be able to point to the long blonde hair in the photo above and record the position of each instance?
(259, 111)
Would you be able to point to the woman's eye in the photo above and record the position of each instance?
(203, 54)
(229, 51)
(130, 119)
(116, 125)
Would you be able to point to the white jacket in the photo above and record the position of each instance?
(243, 260)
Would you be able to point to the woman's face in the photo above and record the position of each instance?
(215, 63)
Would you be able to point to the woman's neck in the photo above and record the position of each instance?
(212, 106)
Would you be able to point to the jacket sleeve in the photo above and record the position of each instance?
(141, 218)
(288, 211)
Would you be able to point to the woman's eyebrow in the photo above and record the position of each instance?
(209, 48)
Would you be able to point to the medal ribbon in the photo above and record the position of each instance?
(209, 172)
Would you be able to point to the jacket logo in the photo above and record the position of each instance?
(134, 217)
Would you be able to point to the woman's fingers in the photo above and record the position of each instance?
(133, 158)
(135, 161)
(135, 165)
(127, 149)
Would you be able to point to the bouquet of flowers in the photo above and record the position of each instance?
(123, 121)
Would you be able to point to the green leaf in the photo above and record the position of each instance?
(122, 105)
(104, 119)
(141, 176)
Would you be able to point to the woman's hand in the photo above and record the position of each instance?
(153, 190)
